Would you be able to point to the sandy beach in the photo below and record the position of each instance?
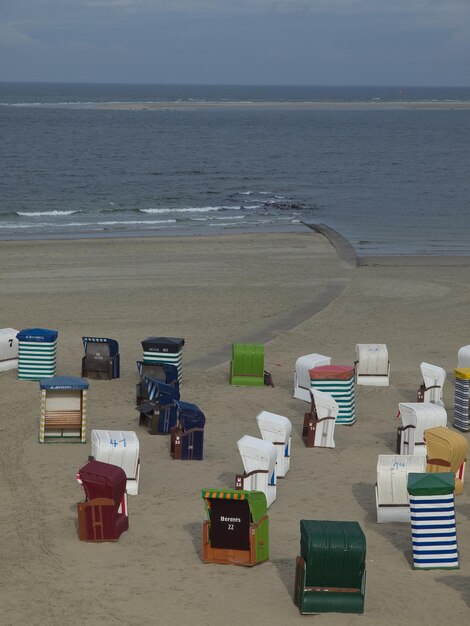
(291, 290)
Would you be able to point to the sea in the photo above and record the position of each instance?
(390, 180)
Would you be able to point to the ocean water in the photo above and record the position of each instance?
(390, 180)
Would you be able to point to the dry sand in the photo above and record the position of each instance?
(213, 290)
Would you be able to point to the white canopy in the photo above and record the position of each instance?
(257, 454)
(118, 447)
(277, 429)
(392, 476)
(8, 344)
(325, 404)
(420, 416)
(433, 375)
(463, 357)
(273, 427)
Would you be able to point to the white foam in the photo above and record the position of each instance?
(191, 209)
(41, 213)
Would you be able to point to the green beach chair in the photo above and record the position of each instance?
(237, 527)
(247, 365)
(330, 574)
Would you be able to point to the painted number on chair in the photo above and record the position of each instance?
(115, 442)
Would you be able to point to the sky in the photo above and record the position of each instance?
(241, 42)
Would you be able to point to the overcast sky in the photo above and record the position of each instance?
(281, 42)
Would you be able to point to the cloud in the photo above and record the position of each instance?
(12, 36)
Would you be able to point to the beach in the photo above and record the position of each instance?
(299, 294)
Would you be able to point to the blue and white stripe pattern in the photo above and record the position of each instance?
(172, 358)
(433, 532)
(343, 392)
(462, 398)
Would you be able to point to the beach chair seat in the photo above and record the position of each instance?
(247, 364)
(236, 531)
(63, 409)
(164, 372)
(330, 571)
(102, 359)
(158, 413)
(372, 366)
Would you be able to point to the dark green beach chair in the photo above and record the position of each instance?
(247, 365)
(330, 574)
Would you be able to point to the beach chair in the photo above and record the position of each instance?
(337, 380)
(433, 526)
(164, 372)
(302, 376)
(447, 452)
(391, 488)
(259, 461)
(247, 364)
(432, 386)
(187, 437)
(37, 353)
(416, 417)
(121, 448)
(372, 366)
(63, 409)
(462, 399)
(8, 349)
(330, 575)
(319, 423)
(236, 531)
(277, 429)
(164, 350)
(158, 414)
(463, 357)
(101, 360)
(101, 518)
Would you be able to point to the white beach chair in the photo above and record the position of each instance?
(121, 448)
(463, 357)
(391, 492)
(277, 429)
(259, 461)
(433, 384)
(8, 349)
(372, 364)
(301, 375)
(416, 417)
(319, 424)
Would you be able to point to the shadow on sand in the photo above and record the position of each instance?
(397, 533)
